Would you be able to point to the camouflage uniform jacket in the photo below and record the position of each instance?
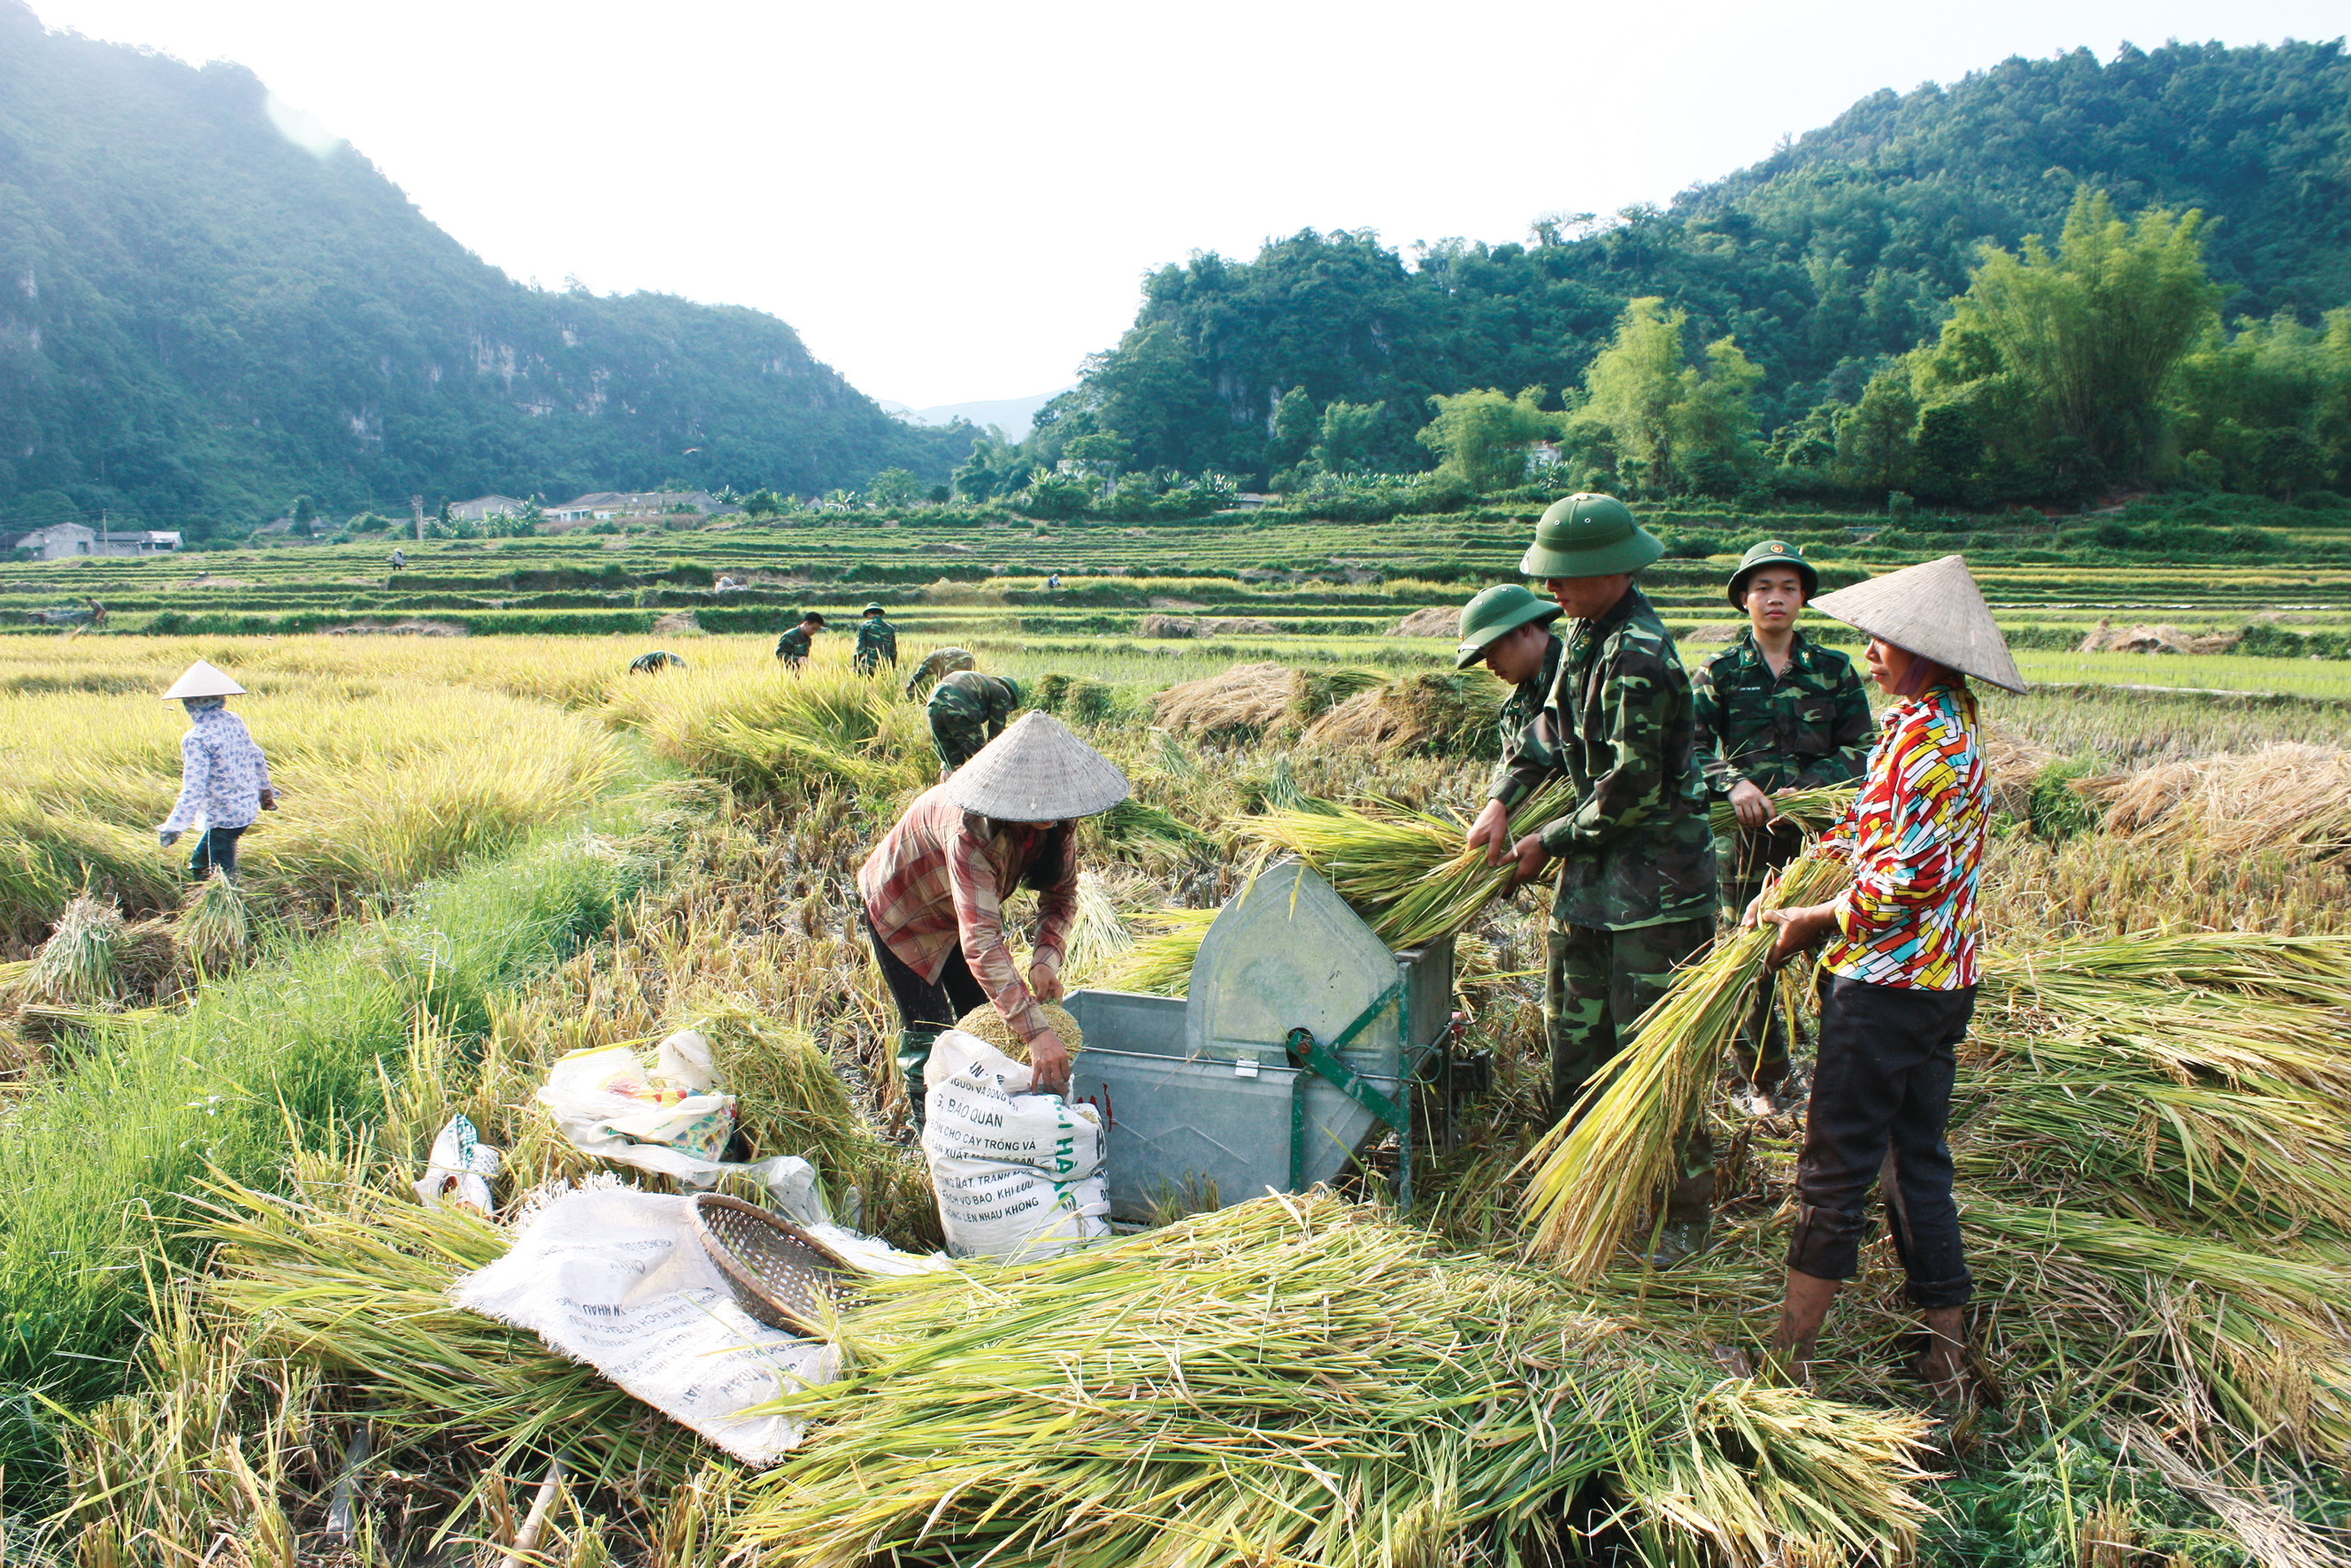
(940, 661)
(1528, 757)
(966, 712)
(1634, 848)
(876, 640)
(793, 645)
(1806, 727)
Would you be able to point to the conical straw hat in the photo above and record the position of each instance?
(204, 680)
(1935, 611)
(1036, 771)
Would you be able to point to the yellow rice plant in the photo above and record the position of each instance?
(772, 728)
(1595, 1172)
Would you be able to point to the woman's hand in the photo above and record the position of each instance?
(1752, 915)
(270, 799)
(1044, 983)
(1798, 930)
(1491, 832)
(1049, 1065)
(1754, 807)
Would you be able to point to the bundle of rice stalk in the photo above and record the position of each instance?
(1444, 714)
(2186, 1032)
(1137, 828)
(1598, 1170)
(1320, 690)
(2312, 968)
(1407, 872)
(788, 1098)
(2288, 794)
(362, 1292)
(2261, 1156)
(989, 1024)
(212, 930)
(77, 963)
(1161, 964)
(1299, 1381)
(2254, 1332)
(1245, 697)
(1815, 811)
(1098, 936)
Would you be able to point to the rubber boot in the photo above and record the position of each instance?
(1802, 1313)
(913, 1056)
(1943, 1367)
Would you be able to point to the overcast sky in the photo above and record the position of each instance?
(957, 201)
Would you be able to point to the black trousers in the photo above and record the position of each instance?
(214, 847)
(927, 1007)
(1881, 1101)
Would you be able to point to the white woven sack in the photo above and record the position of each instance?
(1018, 1174)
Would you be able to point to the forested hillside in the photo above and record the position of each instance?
(1840, 251)
(199, 320)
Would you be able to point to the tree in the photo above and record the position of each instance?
(893, 487)
(1104, 447)
(1346, 435)
(1481, 435)
(1671, 422)
(2094, 329)
(1294, 427)
(1874, 438)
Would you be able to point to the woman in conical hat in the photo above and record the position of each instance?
(1901, 962)
(934, 891)
(224, 777)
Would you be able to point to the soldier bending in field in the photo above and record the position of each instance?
(1776, 711)
(1636, 884)
(969, 710)
(799, 642)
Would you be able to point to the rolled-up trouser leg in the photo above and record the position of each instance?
(1883, 1086)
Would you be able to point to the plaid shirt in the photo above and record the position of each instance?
(1916, 837)
(930, 886)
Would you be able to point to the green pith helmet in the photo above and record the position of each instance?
(872, 610)
(1772, 552)
(1494, 612)
(1014, 688)
(1589, 535)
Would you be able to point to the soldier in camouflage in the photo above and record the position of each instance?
(1776, 711)
(1508, 630)
(796, 643)
(1636, 879)
(936, 664)
(876, 640)
(966, 712)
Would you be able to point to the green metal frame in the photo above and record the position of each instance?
(1325, 1061)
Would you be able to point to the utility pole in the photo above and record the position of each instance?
(104, 537)
(416, 507)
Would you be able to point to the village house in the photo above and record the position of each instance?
(482, 509)
(61, 540)
(606, 505)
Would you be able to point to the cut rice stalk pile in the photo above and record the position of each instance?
(1443, 713)
(77, 964)
(213, 929)
(788, 1098)
(1161, 964)
(2290, 795)
(1598, 1170)
(1244, 698)
(1300, 1381)
(360, 1287)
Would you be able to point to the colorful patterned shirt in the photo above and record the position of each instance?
(222, 775)
(930, 885)
(1916, 839)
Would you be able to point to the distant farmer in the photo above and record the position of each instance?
(934, 893)
(1904, 955)
(96, 614)
(969, 710)
(1636, 892)
(654, 663)
(876, 640)
(938, 662)
(400, 561)
(1776, 711)
(1053, 582)
(798, 642)
(224, 779)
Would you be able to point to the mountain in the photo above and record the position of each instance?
(199, 320)
(1842, 248)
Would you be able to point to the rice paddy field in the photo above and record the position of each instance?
(494, 848)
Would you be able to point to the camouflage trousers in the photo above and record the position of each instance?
(1596, 983)
(1747, 858)
(957, 737)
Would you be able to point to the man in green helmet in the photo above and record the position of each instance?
(1776, 711)
(1636, 879)
(1508, 630)
(876, 640)
(966, 711)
